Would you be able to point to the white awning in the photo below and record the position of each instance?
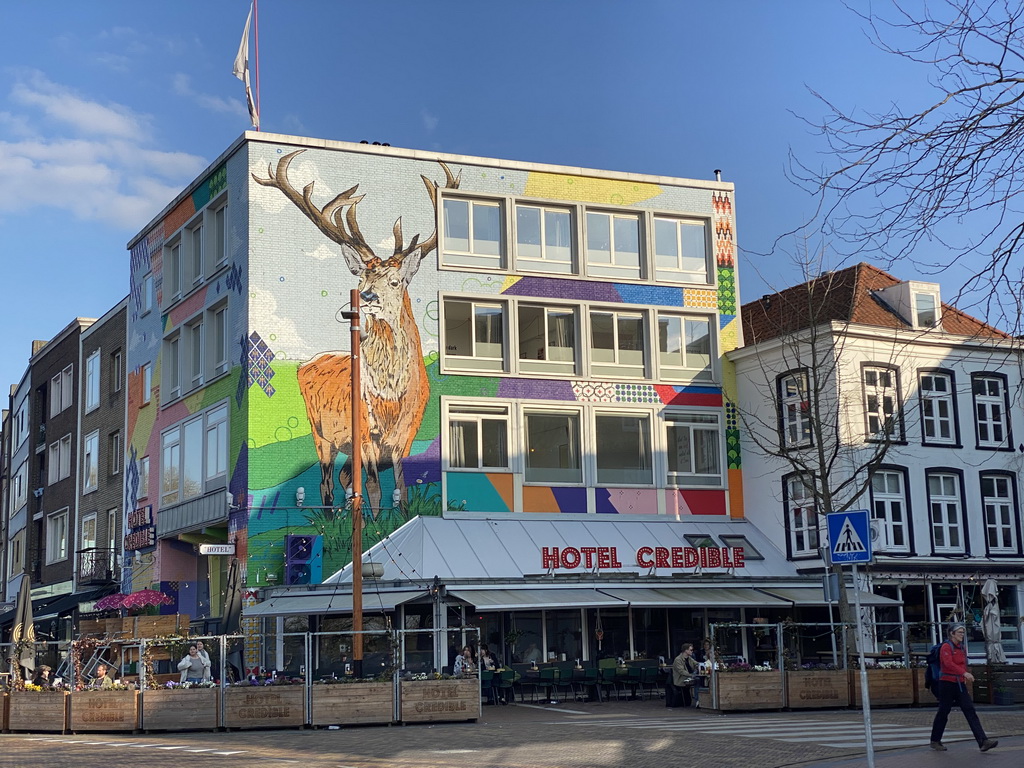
(816, 596)
(308, 603)
(670, 597)
(522, 599)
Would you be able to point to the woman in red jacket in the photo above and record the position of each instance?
(951, 690)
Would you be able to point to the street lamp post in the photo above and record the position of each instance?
(355, 362)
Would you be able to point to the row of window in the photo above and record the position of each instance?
(194, 457)
(194, 353)
(525, 337)
(62, 391)
(884, 408)
(621, 244)
(196, 252)
(58, 536)
(670, 447)
(891, 518)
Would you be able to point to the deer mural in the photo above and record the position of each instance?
(394, 382)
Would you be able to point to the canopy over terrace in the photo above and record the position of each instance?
(585, 587)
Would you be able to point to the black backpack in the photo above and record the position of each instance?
(933, 671)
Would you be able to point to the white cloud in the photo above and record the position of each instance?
(183, 87)
(99, 168)
(323, 252)
(429, 121)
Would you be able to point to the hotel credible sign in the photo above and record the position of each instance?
(646, 557)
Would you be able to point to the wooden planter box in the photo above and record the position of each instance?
(37, 711)
(886, 687)
(817, 689)
(924, 697)
(6, 711)
(180, 710)
(747, 690)
(424, 701)
(103, 711)
(264, 706)
(352, 703)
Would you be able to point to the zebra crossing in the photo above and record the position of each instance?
(85, 741)
(826, 733)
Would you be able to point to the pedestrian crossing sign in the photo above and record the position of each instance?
(849, 536)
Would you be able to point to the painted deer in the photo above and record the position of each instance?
(393, 378)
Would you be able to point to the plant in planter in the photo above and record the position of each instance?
(742, 686)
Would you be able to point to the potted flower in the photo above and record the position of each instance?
(267, 703)
(743, 686)
(428, 697)
(35, 708)
(176, 706)
(352, 701)
(890, 684)
(817, 686)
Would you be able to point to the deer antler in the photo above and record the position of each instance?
(451, 182)
(328, 219)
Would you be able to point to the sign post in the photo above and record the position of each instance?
(849, 537)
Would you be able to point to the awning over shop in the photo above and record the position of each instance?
(309, 603)
(53, 606)
(521, 599)
(816, 596)
(670, 597)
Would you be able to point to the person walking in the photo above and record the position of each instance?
(951, 691)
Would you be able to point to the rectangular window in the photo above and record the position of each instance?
(547, 339)
(21, 425)
(59, 464)
(217, 442)
(681, 251)
(795, 410)
(116, 371)
(90, 462)
(196, 354)
(57, 536)
(618, 345)
(67, 387)
(623, 449)
(936, 395)
(999, 503)
(881, 404)
(112, 519)
(544, 239)
(553, 447)
(194, 458)
(990, 410)
(613, 245)
(147, 293)
(172, 272)
(926, 310)
(88, 533)
(473, 233)
(684, 347)
(53, 464)
(19, 490)
(143, 477)
(16, 554)
(55, 395)
(114, 446)
(147, 382)
(219, 340)
(92, 381)
(801, 516)
(694, 446)
(65, 457)
(889, 511)
(478, 437)
(474, 335)
(172, 366)
(945, 511)
(220, 236)
(196, 253)
(170, 466)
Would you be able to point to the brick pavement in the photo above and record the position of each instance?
(640, 734)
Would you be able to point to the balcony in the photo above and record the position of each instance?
(97, 566)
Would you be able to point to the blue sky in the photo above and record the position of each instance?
(109, 108)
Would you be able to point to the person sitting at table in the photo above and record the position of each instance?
(102, 679)
(42, 678)
(684, 669)
(487, 661)
(464, 664)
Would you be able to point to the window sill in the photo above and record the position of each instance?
(941, 445)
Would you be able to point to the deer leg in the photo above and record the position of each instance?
(373, 485)
(327, 479)
(345, 475)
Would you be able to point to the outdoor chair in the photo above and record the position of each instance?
(549, 682)
(506, 683)
(606, 682)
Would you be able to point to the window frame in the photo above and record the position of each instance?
(1003, 400)
(543, 264)
(923, 398)
(614, 369)
(576, 443)
(460, 259)
(146, 382)
(19, 487)
(547, 366)
(21, 424)
(171, 354)
(937, 309)
(91, 462)
(645, 428)
(173, 269)
(114, 453)
(477, 412)
(92, 381)
(886, 522)
(483, 363)
(899, 433)
(219, 234)
(960, 524)
(613, 269)
(175, 440)
(668, 274)
(148, 299)
(58, 465)
(686, 373)
(218, 313)
(144, 477)
(785, 408)
(1012, 501)
(677, 480)
(117, 370)
(811, 534)
(63, 550)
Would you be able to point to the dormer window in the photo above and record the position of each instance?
(926, 310)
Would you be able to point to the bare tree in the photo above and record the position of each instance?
(936, 183)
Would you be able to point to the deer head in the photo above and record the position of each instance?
(387, 277)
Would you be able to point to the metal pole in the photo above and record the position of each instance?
(864, 697)
(357, 486)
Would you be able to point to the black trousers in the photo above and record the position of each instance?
(955, 695)
(678, 695)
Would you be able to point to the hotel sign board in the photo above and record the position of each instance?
(216, 549)
(607, 558)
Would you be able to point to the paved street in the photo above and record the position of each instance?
(628, 733)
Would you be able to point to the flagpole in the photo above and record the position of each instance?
(256, 18)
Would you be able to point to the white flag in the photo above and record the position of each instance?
(241, 71)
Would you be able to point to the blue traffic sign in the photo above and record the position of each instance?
(849, 536)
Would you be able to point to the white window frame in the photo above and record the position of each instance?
(643, 475)
(219, 239)
(59, 460)
(882, 402)
(548, 260)
(541, 362)
(620, 263)
(170, 457)
(147, 294)
(795, 409)
(194, 354)
(173, 277)
(217, 344)
(999, 506)
(21, 424)
(216, 447)
(62, 391)
(57, 536)
(193, 236)
(144, 477)
(172, 366)
(890, 511)
(921, 318)
(146, 378)
(677, 271)
(91, 462)
(689, 370)
(803, 523)
(694, 421)
(117, 371)
(115, 452)
(19, 487)
(112, 519)
(16, 554)
(991, 411)
(83, 540)
(206, 431)
(617, 367)
(484, 416)
(477, 360)
(945, 511)
(938, 411)
(474, 255)
(92, 381)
